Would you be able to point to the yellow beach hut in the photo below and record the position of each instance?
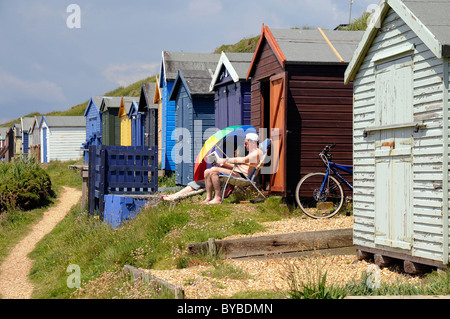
(125, 122)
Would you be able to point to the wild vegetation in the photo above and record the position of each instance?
(24, 185)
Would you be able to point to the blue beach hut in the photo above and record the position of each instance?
(93, 125)
(194, 115)
(171, 63)
(232, 90)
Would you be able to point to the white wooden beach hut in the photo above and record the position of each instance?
(62, 137)
(400, 73)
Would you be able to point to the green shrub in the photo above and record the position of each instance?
(23, 185)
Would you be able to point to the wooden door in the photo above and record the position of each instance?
(45, 144)
(278, 132)
(393, 153)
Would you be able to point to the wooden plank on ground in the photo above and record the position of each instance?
(139, 274)
(278, 243)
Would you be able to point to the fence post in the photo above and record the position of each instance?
(102, 186)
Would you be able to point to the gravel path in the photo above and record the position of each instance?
(270, 274)
(14, 283)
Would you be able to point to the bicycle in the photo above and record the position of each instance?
(319, 194)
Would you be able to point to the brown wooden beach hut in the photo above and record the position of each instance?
(298, 88)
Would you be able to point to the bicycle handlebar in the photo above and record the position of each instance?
(327, 148)
(325, 151)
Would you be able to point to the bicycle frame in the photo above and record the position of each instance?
(334, 167)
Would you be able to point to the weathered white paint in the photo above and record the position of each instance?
(401, 190)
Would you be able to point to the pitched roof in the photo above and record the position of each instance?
(3, 131)
(36, 121)
(174, 61)
(27, 123)
(64, 121)
(95, 100)
(114, 101)
(237, 65)
(125, 105)
(428, 19)
(310, 46)
(434, 15)
(146, 99)
(295, 46)
(196, 82)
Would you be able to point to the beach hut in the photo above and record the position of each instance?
(93, 125)
(300, 101)
(35, 139)
(6, 144)
(400, 72)
(17, 130)
(170, 64)
(158, 100)
(137, 127)
(3, 131)
(232, 99)
(111, 122)
(194, 115)
(149, 111)
(62, 137)
(26, 123)
(109, 109)
(125, 121)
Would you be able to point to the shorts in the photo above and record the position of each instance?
(196, 185)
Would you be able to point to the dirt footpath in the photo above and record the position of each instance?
(14, 283)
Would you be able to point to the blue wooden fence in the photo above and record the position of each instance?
(130, 170)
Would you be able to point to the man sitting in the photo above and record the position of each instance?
(246, 165)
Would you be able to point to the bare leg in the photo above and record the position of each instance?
(214, 176)
(209, 187)
(171, 197)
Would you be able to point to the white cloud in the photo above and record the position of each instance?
(13, 88)
(126, 74)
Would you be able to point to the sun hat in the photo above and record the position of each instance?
(252, 137)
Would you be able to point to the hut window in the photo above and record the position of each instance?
(394, 91)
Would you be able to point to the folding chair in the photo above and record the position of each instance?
(246, 180)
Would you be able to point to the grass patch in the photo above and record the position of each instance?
(222, 270)
(159, 240)
(435, 283)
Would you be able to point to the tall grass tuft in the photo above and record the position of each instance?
(311, 283)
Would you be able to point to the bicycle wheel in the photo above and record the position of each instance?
(316, 203)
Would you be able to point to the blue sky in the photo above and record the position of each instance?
(46, 66)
